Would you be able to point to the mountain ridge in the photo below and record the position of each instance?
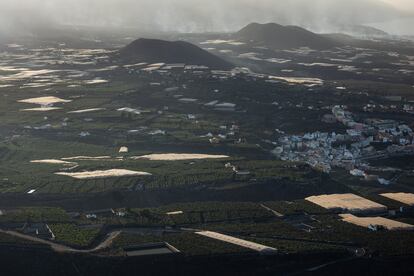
(156, 50)
(283, 37)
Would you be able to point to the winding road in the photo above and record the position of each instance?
(63, 248)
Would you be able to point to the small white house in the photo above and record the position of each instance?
(123, 150)
(120, 214)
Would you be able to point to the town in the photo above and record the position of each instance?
(361, 142)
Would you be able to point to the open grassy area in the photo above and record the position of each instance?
(35, 214)
(74, 235)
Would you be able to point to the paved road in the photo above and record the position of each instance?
(63, 248)
(111, 236)
(276, 213)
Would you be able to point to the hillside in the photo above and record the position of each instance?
(276, 36)
(362, 31)
(154, 51)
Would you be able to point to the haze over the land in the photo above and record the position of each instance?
(200, 15)
(401, 4)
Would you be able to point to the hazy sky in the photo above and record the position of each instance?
(198, 15)
(401, 4)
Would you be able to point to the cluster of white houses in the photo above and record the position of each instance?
(349, 150)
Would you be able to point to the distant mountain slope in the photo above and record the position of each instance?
(277, 36)
(362, 31)
(388, 45)
(154, 51)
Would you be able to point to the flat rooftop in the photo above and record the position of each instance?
(347, 202)
(103, 174)
(405, 198)
(388, 224)
(236, 241)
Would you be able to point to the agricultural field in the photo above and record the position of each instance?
(74, 235)
(100, 155)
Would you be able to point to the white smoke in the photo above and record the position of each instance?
(193, 15)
